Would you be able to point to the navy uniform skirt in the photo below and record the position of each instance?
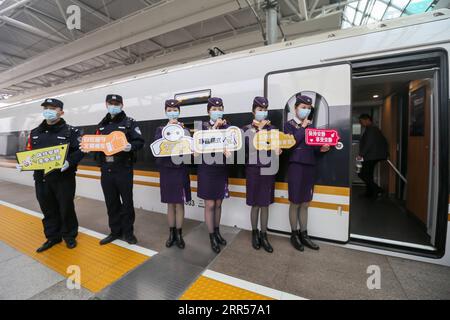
(212, 182)
(175, 184)
(300, 182)
(260, 188)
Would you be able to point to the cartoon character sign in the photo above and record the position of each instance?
(173, 142)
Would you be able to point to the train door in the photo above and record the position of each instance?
(329, 86)
(396, 205)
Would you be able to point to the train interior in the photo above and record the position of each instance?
(403, 105)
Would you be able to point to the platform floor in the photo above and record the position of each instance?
(238, 272)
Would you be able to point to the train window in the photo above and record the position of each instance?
(194, 97)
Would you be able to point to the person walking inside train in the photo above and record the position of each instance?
(213, 177)
(260, 187)
(55, 191)
(174, 181)
(373, 148)
(301, 172)
(117, 171)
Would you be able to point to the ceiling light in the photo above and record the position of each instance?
(375, 96)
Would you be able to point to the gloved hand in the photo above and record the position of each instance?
(65, 166)
(19, 167)
(127, 148)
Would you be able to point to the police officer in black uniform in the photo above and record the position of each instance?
(117, 171)
(55, 192)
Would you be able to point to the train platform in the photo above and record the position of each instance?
(149, 270)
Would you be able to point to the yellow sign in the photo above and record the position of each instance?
(47, 159)
(272, 140)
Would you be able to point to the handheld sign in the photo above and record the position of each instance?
(320, 137)
(272, 140)
(218, 140)
(47, 159)
(108, 144)
(172, 143)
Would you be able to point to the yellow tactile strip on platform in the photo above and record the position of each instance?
(99, 265)
(210, 289)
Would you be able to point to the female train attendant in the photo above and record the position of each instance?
(174, 180)
(260, 187)
(302, 162)
(213, 177)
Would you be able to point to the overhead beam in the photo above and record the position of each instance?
(18, 4)
(148, 23)
(26, 27)
(237, 42)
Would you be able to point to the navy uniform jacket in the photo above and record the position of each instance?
(373, 145)
(127, 125)
(167, 161)
(52, 135)
(300, 152)
(250, 152)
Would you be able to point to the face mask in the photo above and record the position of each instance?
(303, 113)
(50, 115)
(216, 115)
(171, 115)
(261, 115)
(113, 110)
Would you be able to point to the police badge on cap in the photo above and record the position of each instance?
(302, 99)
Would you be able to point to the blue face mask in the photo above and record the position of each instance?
(261, 115)
(113, 110)
(216, 114)
(303, 113)
(50, 115)
(171, 115)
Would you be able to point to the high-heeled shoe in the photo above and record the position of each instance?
(219, 237)
(214, 244)
(180, 240)
(172, 237)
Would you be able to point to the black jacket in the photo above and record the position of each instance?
(373, 145)
(131, 129)
(46, 135)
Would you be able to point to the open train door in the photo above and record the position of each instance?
(330, 88)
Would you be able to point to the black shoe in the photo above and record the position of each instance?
(131, 239)
(256, 243)
(71, 243)
(306, 240)
(172, 237)
(296, 242)
(219, 237)
(214, 243)
(47, 245)
(109, 239)
(265, 242)
(180, 241)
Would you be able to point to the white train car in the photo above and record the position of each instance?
(404, 62)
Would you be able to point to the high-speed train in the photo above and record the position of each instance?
(397, 71)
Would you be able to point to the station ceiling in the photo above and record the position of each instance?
(39, 51)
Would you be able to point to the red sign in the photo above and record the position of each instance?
(320, 137)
